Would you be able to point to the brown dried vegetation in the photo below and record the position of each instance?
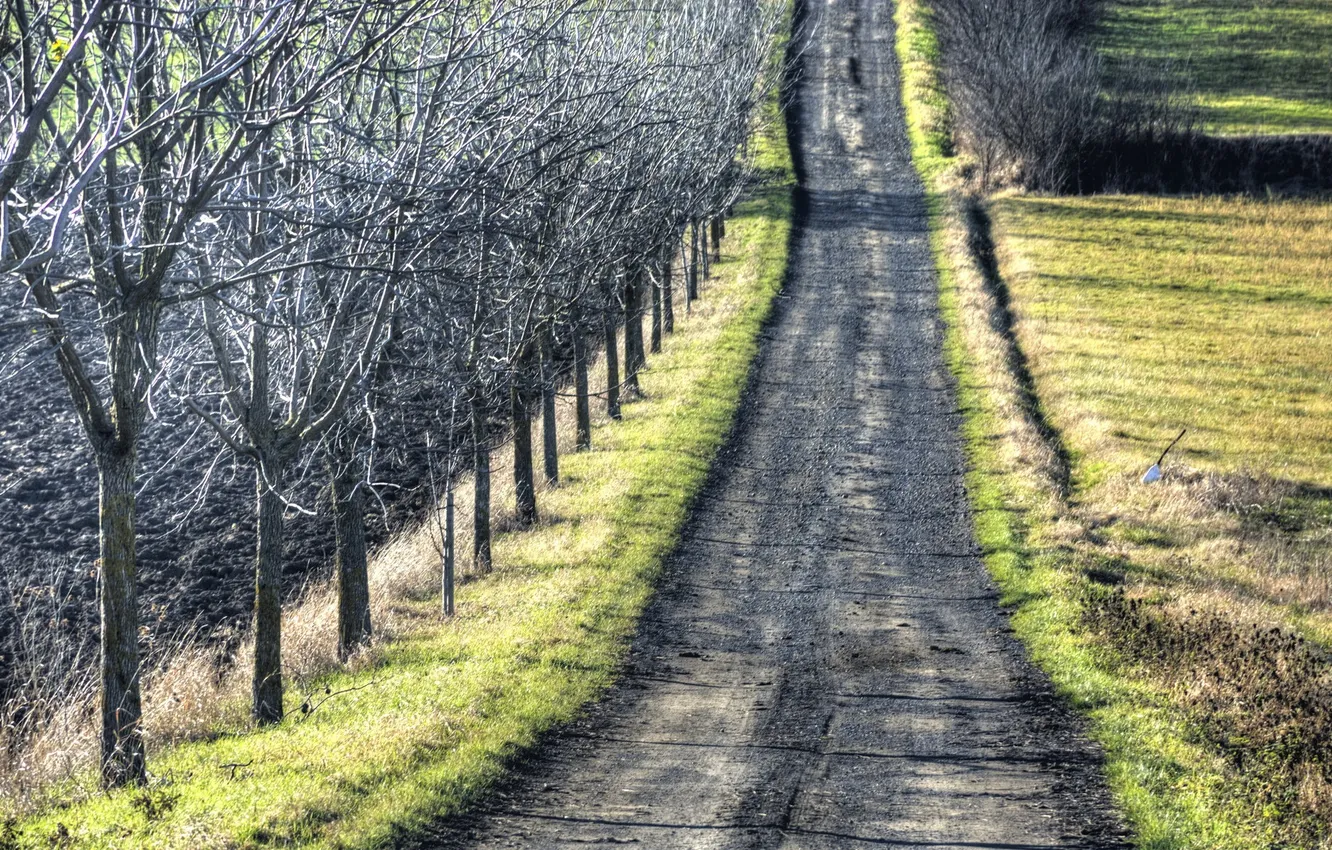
(1257, 693)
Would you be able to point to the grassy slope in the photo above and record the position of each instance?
(1170, 279)
(1258, 67)
(452, 702)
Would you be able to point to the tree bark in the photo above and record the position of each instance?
(612, 367)
(716, 239)
(549, 443)
(353, 576)
(583, 405)
(266, 686)
(634, 357)
(113, 432)
(524, 491)
(481, 477)
(691, 290)
(447, 595)
(701, 234)
(655, 340)
(667, 307)
(122, 755)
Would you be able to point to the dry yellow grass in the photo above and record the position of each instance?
(1144, 316)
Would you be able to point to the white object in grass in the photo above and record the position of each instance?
(1154, 474)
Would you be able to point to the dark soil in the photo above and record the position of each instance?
(196, 540)
(826, 663)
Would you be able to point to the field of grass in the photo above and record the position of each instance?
(1136, 317)
(1257, 67)
(1145, 315)
(426, 725)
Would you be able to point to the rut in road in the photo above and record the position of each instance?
(825, 664)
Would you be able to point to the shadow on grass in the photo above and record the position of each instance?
(1190, 163)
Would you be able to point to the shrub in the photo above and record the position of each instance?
(1030, 101)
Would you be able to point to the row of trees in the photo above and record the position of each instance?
(326, 226)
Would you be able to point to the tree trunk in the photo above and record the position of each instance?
(667, 307)
(701, 234)
(633, 334)
(612, 367)
(525, 509)
(481, 476)
(267, 683)
(447, 600)
(353, 576)
(549, 444)
(691, 290)
(655, 340)
(122, 756)
(583, 405)
(131, 355)
(716, 239)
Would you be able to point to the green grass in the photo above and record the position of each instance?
(1120, 278)
(1257, 67)
(451, 703)
(1144, 316)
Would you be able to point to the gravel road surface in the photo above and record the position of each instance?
(826, 664)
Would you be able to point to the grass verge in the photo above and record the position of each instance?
(1051, 541)
(431, 721)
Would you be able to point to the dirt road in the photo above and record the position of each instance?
(826, 665)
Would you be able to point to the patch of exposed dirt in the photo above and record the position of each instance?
(195, 551)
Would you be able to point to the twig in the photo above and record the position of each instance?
(307, 709)
(236, 764)
(1161, 459)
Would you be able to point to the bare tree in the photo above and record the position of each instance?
(303, 218)
(136, 139)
